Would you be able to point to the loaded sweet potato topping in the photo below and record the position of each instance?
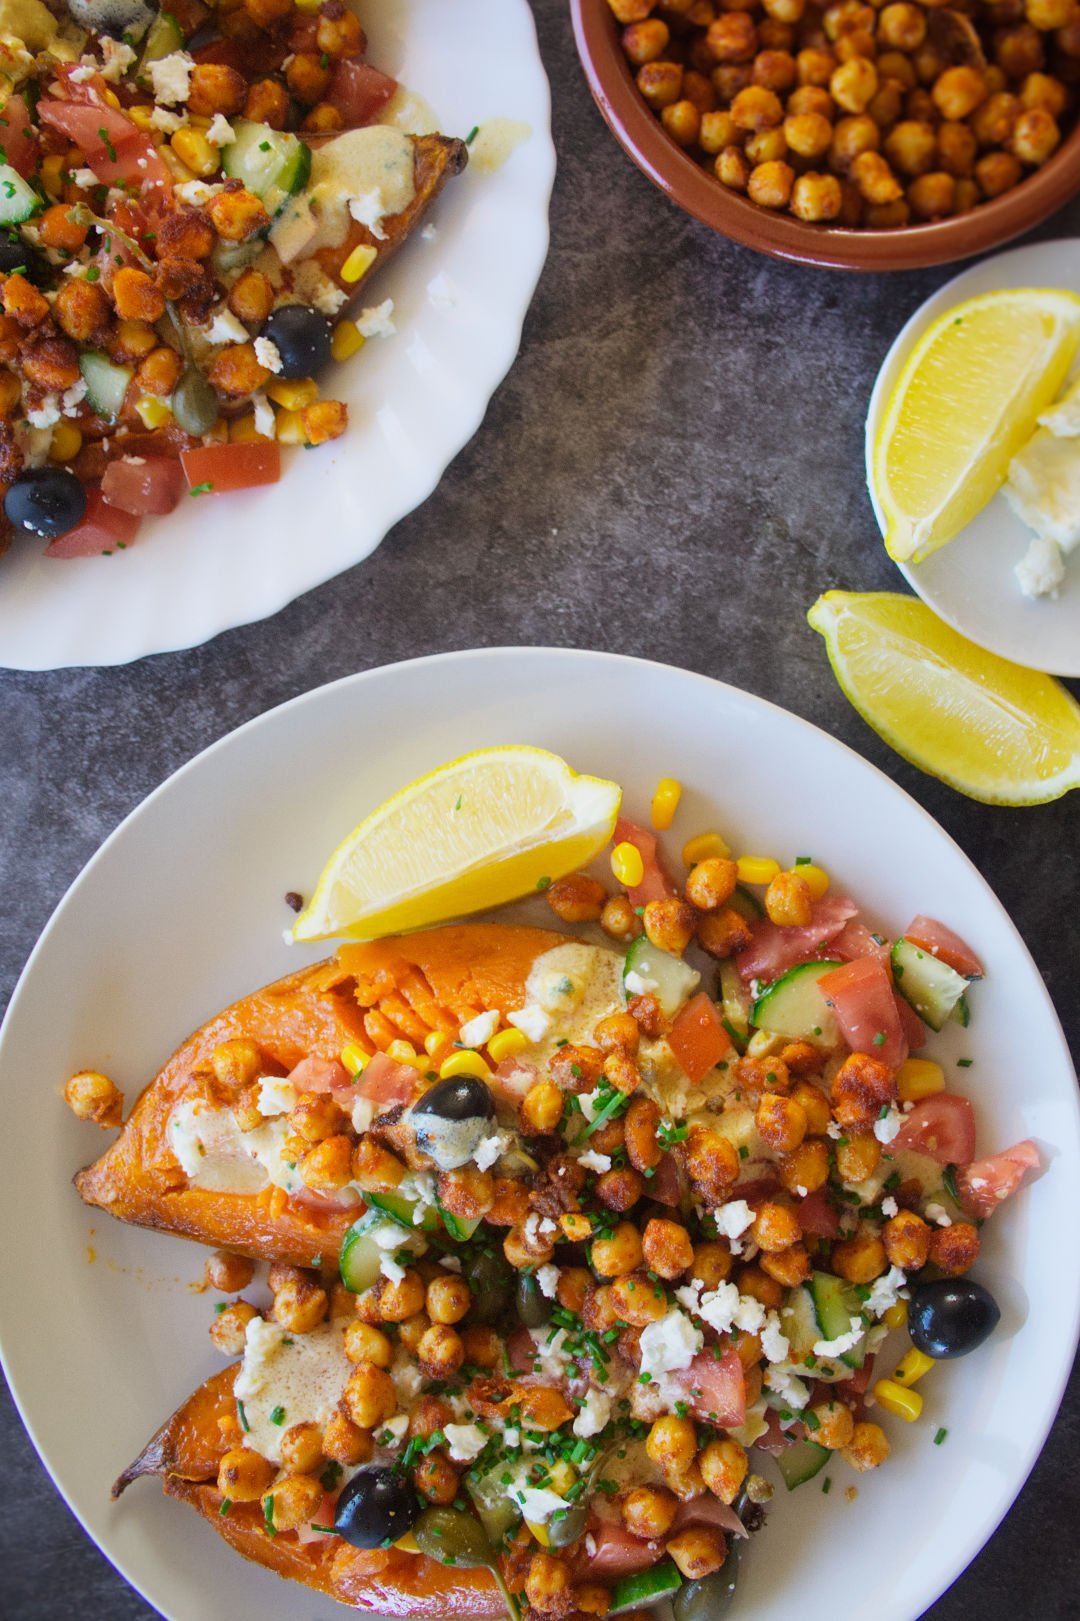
(189, 200)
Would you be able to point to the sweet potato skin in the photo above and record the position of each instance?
(185, 1454)
(368, 995)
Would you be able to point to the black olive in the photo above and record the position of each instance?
(459, 1097)
(533, 1306)
(378, 1505)
(491, 1284)
(302, 338)
(116, 17)
(15, 254)
(47, 501)
(951, 1317)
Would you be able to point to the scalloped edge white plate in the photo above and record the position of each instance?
(415, 399)
(136, 956)
(970, 582)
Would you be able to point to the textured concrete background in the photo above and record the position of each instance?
(672, 469)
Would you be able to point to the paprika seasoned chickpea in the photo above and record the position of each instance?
(92, 1096)
(525, 1248)
(775, 1227)
(327, 1167)
(955, 1249)
(789, 1267)
(835, 1424)
(251, 298)
(968, 195)
(932, 196)
(374, 1168)
(316, 1116)
(861, 1086)
(669, 924)
(411, 1330)
(729, 78)
(244, 1475)
(660, 83)
(788, 901)
(576, 898)
(781, 1122)
(363, 1342)
(1046, 15)
(997, 172)
(618, 1032)
(682, 120)
(134, 295)
(958, 91)
(1035, 135)
(235, 370)
(784, 11)
(640, 1126)
(756, 1283)
(467, 1192)
(672, 1444)
(698, 1551)
(308, 77)
(637, 1300)
(1019, 51)
(868, 1447)
(396, 1301)
(448, 1298)
(911, 146)
(648, 1511)
(851, 137)
(440, 1351)
(300, 1304)
(775, 70)
(547, 1585)
(292, 1502)
(228, 1331)
(619, 921)
(807, 1168)
(645, 41)
(808, 134)
(345, 1442)
(906, 1238)
(816, 197)
(711, 1264)
(754, 108)
(631, 11)
(215, 88)
(857, 1157)
(717, 131)
(711, 1161)
(810, 99)
(267, 102)
(887, 105)
(815, 67)
(860, 1259)
(854, 84)
(1040, 90)
(574, 1282)
(323, 118)
(483, 1347)
(542, 1107)
(894, 67)
(711, 883)
(667, 1248)
(227, 1272)
(436, 1478)
(618, 1255)
(770, 184)
(902, 26)
(766, 146)
(723, 1464)
(732, 37)
(338, 32)
(957, 149)
(619, 1189)
(620, 1071)
(428, 1414)
(301, 1449)
(369, 1397)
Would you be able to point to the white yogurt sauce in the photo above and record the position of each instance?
(298, 1377)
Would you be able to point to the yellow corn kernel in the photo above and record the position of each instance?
(140, 117)
(66, 442)
(401, 1051)
(507, 1044)
(290, 428)
(911, 1368)
(765, 1044)
(360, 260)
(153, 412)
(354, 1058)
(665, 802)
(561, 1476)
(242, 430)
(292, 393)
(706, 847)
(919, 1078)
(433, 1041)
(194, 150)
(627, 865)
(407, 1543)
(814, 877)
(540, 1532)
(906, 1404)
(51, 170)
(464, 1062)
(757, 869)
(896, 1316)
(113, 99)
(347, 340)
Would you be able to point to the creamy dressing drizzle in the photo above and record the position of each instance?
(302, 1375)
(494, 142)
(410, 112)
(377, 158)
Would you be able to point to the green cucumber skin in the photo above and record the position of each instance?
(676, 983)
(401, 1210)
(274, 175)
(361, 1259)
(747, 905)
(800, 1462)
(930, 986)
(790, 1008)
(18, 201)
(647, 1587)
(835, 1314)
(106, 384)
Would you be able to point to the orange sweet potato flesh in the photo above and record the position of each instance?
(186, 1453)
(369, 994)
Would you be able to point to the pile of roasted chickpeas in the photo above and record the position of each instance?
(866, 114)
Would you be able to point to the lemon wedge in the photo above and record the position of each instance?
(966, 401)
(484, 829)
(991, 729)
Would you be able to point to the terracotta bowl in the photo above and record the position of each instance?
(640, 133)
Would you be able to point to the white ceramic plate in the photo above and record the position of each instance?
(970, 582)
(414, 399)
(182, 910)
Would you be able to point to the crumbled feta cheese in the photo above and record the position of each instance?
(262, 1343)
(774, 1341)
(732, 1220)
(84, 178)
(594, 1413)
(537, 1503)
(887, 1127)
(551, 1357)
(842, 1344)
(532, 1021)
(391, 1269)
(884, 1292)
(363, 1112)
(368, 210)
(116, 57)
(312, 286)
(800, 1190)
(592, 1161)
(73, 396)
(161, 118)
(221, 132)
(1041, 569)
(171, 78)
(588, 1102)
(83, 72)
(834, 1130)
(376, 323)
(938, 1214)
(45, 415)
(547, 1227)
(197, 192)
(268, 354)
(394, 1431)
(548, 1278)
(638, 985)
(511, 1437)
(889, 1206)
(477, 1032)
(465, 1441)
(787, 1385)
(1043, 487)
(451, 1263)
(723, 1308)
(670, 1344)
(490, 1149)
(277, 1095)
(264, 415)
(225, 328)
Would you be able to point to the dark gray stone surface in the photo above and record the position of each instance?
(672, 469)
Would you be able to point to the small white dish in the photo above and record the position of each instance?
(970, 582)
(415, 399)
(98, 1355)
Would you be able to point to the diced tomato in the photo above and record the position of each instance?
(774, 949)
(913, 1027)
(143, 484)
(856, 940)
(521, 1350)
(110, 142)
(940, 942)
(942, 1127)
(656, 885)
(663, 1185)
(314, 1074)
(775, 1438)
(386, 1083)
(708, 1510)
(103, 529)
(986, 1183)
(514, 1077)
(818, 1215)
(716, 1387)
(17, 136)
(759, 1182)
(698, 1038)
(862, 998)
(359, 92)
(219, 468)
(619, 1554)
(324, 1515)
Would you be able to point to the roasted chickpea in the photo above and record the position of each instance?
(788, 901)
(712, 882)
(732, 168)
(682, 120)
(267, 103)
(756, 1283)
(816, 197)
(397, 1301)
(228, 1272)
(789, 1267)
(997, 172)
(810, 99)
(1019, 51)
(717, 131)
(671, 1444)
(781, 1122)
(618, 1255)
(369, 1397)
(860, 1087)
(835, 1425)
(637, 1300)
(620, 1189)
(732, 37)
(542, 1107)
(411, 1330)
(363, 1342)
(770, 184)
(957, 149)
(808, 134)
(576, 898)
(775, 1227)
(436, 1478)
(92, 1096)
(338, 32)
(857, 1156)
(867, 1448)
(698, 1551)
(483, 1347)
(932, 196)
(806, 1168)
(958, 91)
(911, 147)
(547, 1585)
(907, 1241)
(618, 919)
(853, 84)
(1040, 90)
(711, 1161)
(467, 1192)
(244, 1475)
(648, 1511)
(660, 83)
(955, 1249)
(1046, 15)
(901, 27)
(621, 1072)
(860, 1259)
(851, 138)
(723, 933)
(301, 1449)
(300, 1303)
(723, 1464)
(813, 1102)
(345, 1442)
(216, 88)
(667, 1248)
(440, 1352)
(374, 1168)
(645, 41)
(228, 1331)
(669, 925)
(1035, 135)
(711, 1264)
(327, 1168)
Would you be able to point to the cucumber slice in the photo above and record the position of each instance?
(736, 999)
(106, 384)
(646, 1587)
(402, 1210)
(962, 1012)
(794, 1006)
(675, 982)
(272, 164)
(361, 1257)
(17, 200)
(798, 1320)
(930, 985)
(163, 38)
(801, 1461)
(746, 904)
(460, 1228)
(837, 1312)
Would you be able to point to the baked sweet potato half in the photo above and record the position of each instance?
(203, 1156)
(186, 1455)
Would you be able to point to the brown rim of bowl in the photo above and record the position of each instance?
(687, 184)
